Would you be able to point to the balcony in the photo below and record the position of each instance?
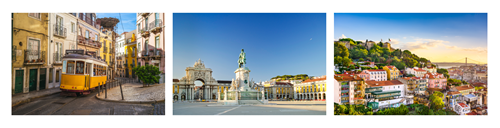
(88, 42)
(89, 20)
(57, 58)
(34, 57)
(59, 31)
(144, 32)
(144, 14)
(105, 49)
(155, 26)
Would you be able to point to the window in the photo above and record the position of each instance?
(157, 42)
(80, 67)
(72, 27)
(87, 34)
(59, 25)
(146, 24)
(157, 21)
(96, 38)
(33, 49)
(34, 15)
(70, 69)
(139, 43)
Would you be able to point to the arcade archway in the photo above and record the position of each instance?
(190, 83)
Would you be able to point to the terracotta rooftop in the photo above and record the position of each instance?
(346, 77)
(383, 83)
(434, 75)
(391, 67)
(461, 88)
(284, 83)
(313, 80)
(463, 105)
(176, 80)
(352, 72)
(453, 93)
(434, 89)
(413, 78)
(376, 70)
(478, 84)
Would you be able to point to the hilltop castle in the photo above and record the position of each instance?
(367, 44)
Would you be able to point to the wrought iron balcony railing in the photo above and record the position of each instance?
(89, 42)
(155, 26)
(105, 50)
(34, 57)
(59, 30)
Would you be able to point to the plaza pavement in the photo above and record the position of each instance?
(281, 108)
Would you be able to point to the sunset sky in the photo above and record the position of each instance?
(440, 37)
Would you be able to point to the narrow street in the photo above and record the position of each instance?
(84, 105)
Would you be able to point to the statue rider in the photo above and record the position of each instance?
(242, 59)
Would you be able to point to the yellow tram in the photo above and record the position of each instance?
(81, 74)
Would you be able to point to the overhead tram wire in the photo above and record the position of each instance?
(121, 22)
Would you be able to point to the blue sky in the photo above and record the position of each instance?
(440, 37)
(127, 19)
(275, 44)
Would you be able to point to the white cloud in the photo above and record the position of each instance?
(311, 39)
(394, 41)
(343, 36)
(404, 37)
(432, 43)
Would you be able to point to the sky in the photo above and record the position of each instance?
(275, 44)
(439, 37)
(127, 21)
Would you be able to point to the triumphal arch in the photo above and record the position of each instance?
(184, 89)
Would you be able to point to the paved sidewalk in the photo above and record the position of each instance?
(26, 97)
(135, 93)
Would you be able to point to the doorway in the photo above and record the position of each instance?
(18, 87)
(32, 79)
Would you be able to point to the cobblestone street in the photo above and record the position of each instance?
(84, 105)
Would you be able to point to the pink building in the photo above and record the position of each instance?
(436, 80)
(151, 40)
(363, 74)
(377, 75)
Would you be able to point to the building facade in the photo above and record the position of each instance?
(418, 72)
(349, 89)
(278, 90)
(386, 94)
(151, 42)
(62, 36)
(312, 89)
(436, 80)
(88, 33)
(30, 52)
(377, 75)
(130, 55)
(392, 72)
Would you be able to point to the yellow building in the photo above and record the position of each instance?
(392, 72)
(311, 89)
(106, 51)
(29, 52)
(130, 54)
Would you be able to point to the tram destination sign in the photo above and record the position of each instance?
(74, 52)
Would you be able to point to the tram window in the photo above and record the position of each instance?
(64, 67)
(71, 67)
(87, 68)
(80, 67)
(95, 70)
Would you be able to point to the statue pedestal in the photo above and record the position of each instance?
(242, 94)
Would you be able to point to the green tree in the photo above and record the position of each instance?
(361, 59)
(346, 61)
(443, 71)
(148, 74)
(436, 100)
(340, 50)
